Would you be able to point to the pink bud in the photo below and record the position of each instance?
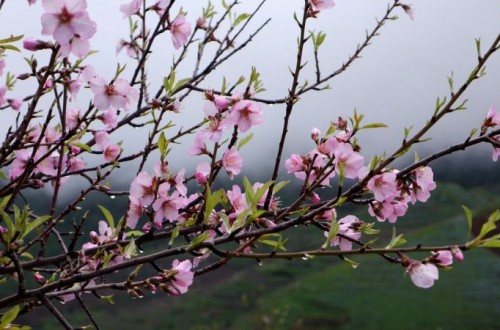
(15, 104)
(315, 133)
(34, 45)
(457, 253)
(48, 84)
(39, 278)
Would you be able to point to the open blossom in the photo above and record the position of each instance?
(19, 164)
(131, 8)
(134, 212)
(237, 200)
(422, 275)
(442, 258)
(202, 173)
(142, 189)
(114, 95)
(349, 159)
(318, 5)
(103, 141)
(183, 278)
(383, 186)
(295, 164)
(423, 185)
(349, 227)
(181, 30)
(232, 162)
(245, 114)
(65, 19)
(15, 104)
(167, 206)
(199, 146)
(492, 118)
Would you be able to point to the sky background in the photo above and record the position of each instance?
(396, 82)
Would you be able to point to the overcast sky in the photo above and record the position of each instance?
(396, 82)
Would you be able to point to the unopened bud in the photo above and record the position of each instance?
(39, 278)
(23, 76)
(315, 133)
(35, 45)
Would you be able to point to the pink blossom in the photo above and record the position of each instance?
(389, 210)
(422, 275)
(181, 30)
(160, 6)
(496, 150)
(295, 164)
(106, 233)
(315, 134)
(232, 162)
(134, 212)
(349, 227)
(167, 206)
(237, 200)
(423, 185)
(442, 258)
(142, 189)
(349, 159)
(160, 168)
(48, 84)
(183, 277)
(80, 47)
(326, 147)
(3, 90)
(131, 8)
(51, 135)
(202, 173)
(383, 186)
(72, 118)
(66, 18)
(215, 129)
(245, 114)
(199, 146)
(2, 66)
(492, 118)
(178, 182)
(112, 152)
(114, 95)
(102, 139)
(318, 5)
(15, 104)
(221, 102)
(110, 117)
(130, 48)
(409, 11)
(76, 164)
(19, 164)
(88, 73)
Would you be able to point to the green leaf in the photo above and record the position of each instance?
(240, 19)
(130, 249)
(489, 225)
(10, 225)
(134, 233)
(174, 235)
(244, 141)
(396, 239)
(179, 84)
(11, 39)
(212, 200)
(9, 316)
(35, 224)
(162, 144)
(374, 125)
(468, 215)
(10, 47)
(198, 240)
(109, 299)
(82, 146)
(108, 216)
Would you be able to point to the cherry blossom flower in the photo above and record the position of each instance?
(183, 277)
(3, 90)
(131, 8)
(160, 169)
(134, 212)
(237, 200)
(167, 206)
(80, 47)
(72, 118)
(113, 95)
(15, 104)
(442, 258)
(492, 118)
(202, 172)
(130, 48)
(199, 146)
(181, 30)
(318, 5)
(245, 114)
(66, 18)
(232, 162)
(422, 275)
(349, 227)
(423, 185)
(76, 164)
(142, 189)
(409, 11)
(103, 141)
(383, 186)
(295, 164)
(110, 117)
(19, 164)
(160, 6)
(315, 134)
(349, 159)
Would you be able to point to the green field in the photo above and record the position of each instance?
(327, 293)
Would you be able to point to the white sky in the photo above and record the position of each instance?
(396, 82)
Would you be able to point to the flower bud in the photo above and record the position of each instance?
(23, 76)
(315, 133)
(35, 45)
(15, 104)
(39, 278)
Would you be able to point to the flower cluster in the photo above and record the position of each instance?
(69, 24)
